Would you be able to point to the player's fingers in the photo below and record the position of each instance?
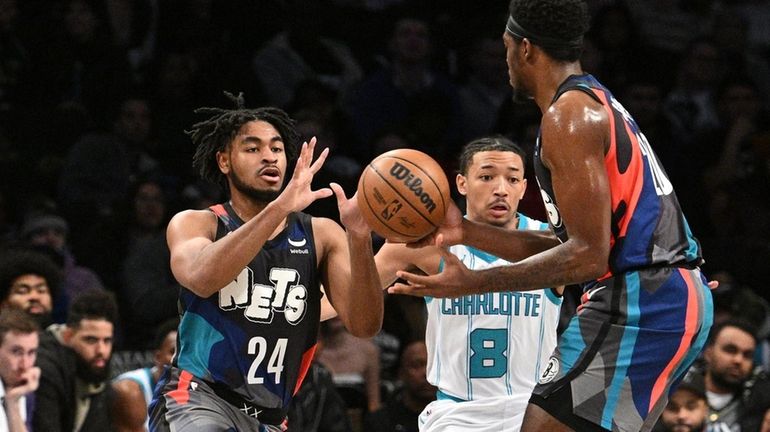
(404, 289)
(412, 278)
(713, 284)
(338, 192)
(322, 193)
(320, 161)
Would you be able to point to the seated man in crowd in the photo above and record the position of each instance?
(28, 282)
(18, 375)
(74, 360)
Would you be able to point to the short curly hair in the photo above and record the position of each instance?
(215, 134)
(18, 261)
(561, 19)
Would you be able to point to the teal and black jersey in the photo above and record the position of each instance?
(256, 336)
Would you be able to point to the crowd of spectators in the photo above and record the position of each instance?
(95, 96)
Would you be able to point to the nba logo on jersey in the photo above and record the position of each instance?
(550, 372)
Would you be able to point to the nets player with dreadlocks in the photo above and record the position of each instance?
(617, 229)
(251, 270)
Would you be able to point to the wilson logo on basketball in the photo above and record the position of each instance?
(414, 183)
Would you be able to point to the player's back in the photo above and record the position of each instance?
(648, 226)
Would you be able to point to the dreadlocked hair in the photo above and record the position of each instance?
(215, 134)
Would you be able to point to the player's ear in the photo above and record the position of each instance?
(461, 181)
(223, 161)
(523, 188)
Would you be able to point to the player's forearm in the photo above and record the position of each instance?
(510, 245)
(220, 262)
(363, 301)
(563, 265)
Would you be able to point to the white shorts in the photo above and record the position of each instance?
(483, 415)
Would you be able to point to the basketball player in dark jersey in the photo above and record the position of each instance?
(617, 228)
(251, 270)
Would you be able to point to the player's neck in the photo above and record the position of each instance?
(246, 208)
(552, 76)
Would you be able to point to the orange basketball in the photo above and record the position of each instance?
(403, 195)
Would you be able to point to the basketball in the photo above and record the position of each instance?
(403, 195)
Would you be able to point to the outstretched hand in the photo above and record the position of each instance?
(350, 213)
(455, 280)
(297, 195)
(449, 233)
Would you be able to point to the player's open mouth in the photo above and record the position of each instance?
(270, 174)
(498, 210)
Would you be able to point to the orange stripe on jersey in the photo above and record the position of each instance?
(690, 328)
(182, 393)
(307, 358)
(627, 186)
(218, 210)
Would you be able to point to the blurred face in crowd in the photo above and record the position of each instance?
(134, 121)
(150, 206)
(17, 355)
(411, 41)
(92, 341)
(730, 359)
(31, 294)
(685, 412)
(412, 372)
(165, 353)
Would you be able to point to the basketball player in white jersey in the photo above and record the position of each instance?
(485, 351)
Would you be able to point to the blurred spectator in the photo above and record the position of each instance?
(354, 364)
(79, 62)
(133, 389)
(686, 411)
(400, 412)
(130, 248)
(409, 94)
(47, 232)
(486, 88)
(615, 35)
(317, 406)
(302, 52)
(29, 281)
(14, 66)
(19, 377)
(100, 166)
(741, 118)
(75, 362)
(738, 393)
(690, 105)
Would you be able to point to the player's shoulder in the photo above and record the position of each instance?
(529, 223)
(326, 230)
(573, 109)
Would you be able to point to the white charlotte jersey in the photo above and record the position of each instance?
(143, 377)
(493, 344)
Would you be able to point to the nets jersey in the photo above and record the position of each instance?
(257, 335)
(492, 344)
(648, 227)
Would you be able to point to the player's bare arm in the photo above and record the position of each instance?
(128, 406)
(574, 139)
(205, 266)
(393, 257)
(349, 274)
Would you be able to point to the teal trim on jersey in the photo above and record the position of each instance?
(549, 294)
(443, 396)
(626, 349)
(692, 246)
(571, 345)
(194, 358)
